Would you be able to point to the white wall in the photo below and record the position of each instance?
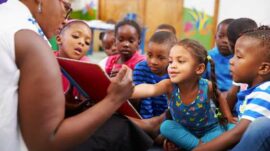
(258, 10)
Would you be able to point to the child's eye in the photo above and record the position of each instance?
(75, 36)
(181, 61)
(87, 43)
(149, 55)
(238, 57)
(120, 40)
(170, 61)
(161, 58)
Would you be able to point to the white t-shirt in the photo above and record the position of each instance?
(14, 16)
(102, 63)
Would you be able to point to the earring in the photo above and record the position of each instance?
(39, 7)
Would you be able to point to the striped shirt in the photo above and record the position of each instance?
(254, 102)
(152, 106)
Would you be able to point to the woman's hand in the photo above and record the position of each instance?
(121, 86)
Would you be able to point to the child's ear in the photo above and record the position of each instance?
(264, 69)
(58, 40)
(200, 69)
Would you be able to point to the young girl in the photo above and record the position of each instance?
(193, 120)
(107, 39)
(127, 42)
(73, 42)
(251, 65)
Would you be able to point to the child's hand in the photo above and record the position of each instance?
(169, 146)
(233, 120)
(121, 86)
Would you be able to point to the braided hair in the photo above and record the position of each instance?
(200, 53)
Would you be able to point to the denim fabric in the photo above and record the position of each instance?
(256, 137)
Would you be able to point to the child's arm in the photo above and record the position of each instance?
(225, 109)
(223, 104)
(231, 96)
(149, 90)
(226, 140)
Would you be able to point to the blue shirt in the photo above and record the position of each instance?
(152, 106)
(254, 102)
(222, 69)
(197, 117)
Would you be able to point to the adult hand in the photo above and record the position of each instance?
(121, 86)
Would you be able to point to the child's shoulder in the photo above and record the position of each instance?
(142, 64)
(265, 87)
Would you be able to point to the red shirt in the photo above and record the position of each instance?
(131, 63)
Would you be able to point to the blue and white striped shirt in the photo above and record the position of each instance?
(254, 102)
(152, 106)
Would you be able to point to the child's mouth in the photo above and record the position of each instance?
(78, 51)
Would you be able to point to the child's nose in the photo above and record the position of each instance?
(231, 60)
(153, 60)
(126, 43)
(81, 42)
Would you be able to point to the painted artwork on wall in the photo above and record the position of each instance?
(198, 21)
(84, 9)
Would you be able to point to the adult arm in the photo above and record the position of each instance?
(227, 140)
(41, 99)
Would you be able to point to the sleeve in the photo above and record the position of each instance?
(139, 74)
(206, 74)
(258, 105)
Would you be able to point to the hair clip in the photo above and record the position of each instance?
(209, 58)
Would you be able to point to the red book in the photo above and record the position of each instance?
(92, 82)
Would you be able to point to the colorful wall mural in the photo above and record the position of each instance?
(198, 22)
(84, 9)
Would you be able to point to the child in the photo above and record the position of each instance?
(221, 55)
(250, 64)
(73, 42)
(107, 39)
(235, 29)
(166, 27)
(193, 120)
(127, 34)
(153, 70)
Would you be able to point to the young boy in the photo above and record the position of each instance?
(153, 70)
(235, 29)
(221, 55)
(166, 27)
(251, 65)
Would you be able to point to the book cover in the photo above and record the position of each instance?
(92, 82)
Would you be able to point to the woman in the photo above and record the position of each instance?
(31, 99)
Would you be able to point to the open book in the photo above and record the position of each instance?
(91, 82)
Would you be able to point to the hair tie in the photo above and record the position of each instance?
(209, 58)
